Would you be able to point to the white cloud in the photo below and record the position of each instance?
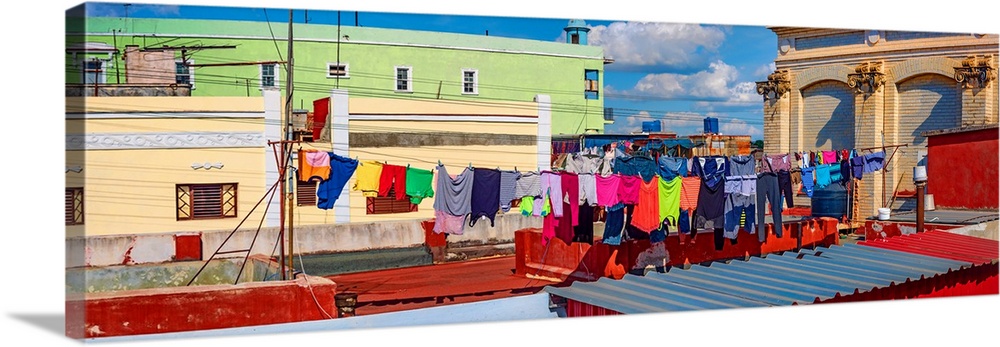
(740, 127)
(713, 83)
(765, 70)
(671, 46)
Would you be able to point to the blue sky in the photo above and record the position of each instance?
(677, 73)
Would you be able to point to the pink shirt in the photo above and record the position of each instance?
(628, 191)
(607, 190)
(775, 163)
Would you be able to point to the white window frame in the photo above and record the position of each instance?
(190, 71)
(409, 79)
(347, 70)
(475, 82)
(260, 77)
(102, 78)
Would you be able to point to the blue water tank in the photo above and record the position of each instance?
(831, 201)
(652, 126)
(711, 125)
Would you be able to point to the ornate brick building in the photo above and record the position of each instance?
(843, 89)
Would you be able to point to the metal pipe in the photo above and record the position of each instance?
(920, 205)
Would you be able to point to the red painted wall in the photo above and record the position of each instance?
(162, 310)
(962, 169)
(581, 261)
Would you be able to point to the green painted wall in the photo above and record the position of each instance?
(508, 69)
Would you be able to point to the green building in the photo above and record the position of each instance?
(241, 58)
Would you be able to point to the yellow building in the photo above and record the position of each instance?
(839, 89)
(140, 165)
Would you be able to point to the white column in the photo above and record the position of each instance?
(272, 132)
(341, 146)
(544, 140)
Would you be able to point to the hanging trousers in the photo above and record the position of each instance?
(767, 190)
(785, 184)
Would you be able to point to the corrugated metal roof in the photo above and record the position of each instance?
(942, 244)
(803, 277)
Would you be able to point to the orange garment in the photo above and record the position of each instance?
(314, 165)
(646, 216)
(690, 186)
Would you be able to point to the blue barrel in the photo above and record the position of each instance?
(711, 125)
(831, 201)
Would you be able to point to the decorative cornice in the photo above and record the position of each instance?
(207, 166)
(976, 72)
(164, 140)
(775, 87)
(867, 78)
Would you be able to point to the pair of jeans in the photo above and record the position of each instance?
(768, 191)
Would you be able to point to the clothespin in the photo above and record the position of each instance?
(515, 168)
(439, 162)
(470, 166)
(407, 166)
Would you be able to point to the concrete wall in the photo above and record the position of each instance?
(178, 274)
(108, 250)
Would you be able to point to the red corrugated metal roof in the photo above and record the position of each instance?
(943, 244)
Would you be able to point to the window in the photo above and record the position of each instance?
(388, 204)
(334, 70)
(74, 206)
(305, 193)
(184, 73)
(93, 72)
(269, 75)
(206, 201)
(574, 38)
(591, 84)
(404, 79)
(470, 81)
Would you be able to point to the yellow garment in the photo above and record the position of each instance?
(367, 178)
(670, 200)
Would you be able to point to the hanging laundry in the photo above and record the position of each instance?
(808, 180)
(834, 172)
(775, 163)
(797, 177)
(614, 227)
(560, 161)
(583, 162)
(527, 205)
(588, 189)
(368, 175)
(768, 190)
(314, 165)
(670, 200)
(628, 191)
(670, 167)
(485, 195)
(607, 190)
(690, 187)
(528, 184)
(858, 166)
(829, 157)
(453, 200)
(684, 223)
(741, 178)
(392, 176)
(845, 170)
(874, 161)
(445, 223)
(552, 188)
(711, 195)
(341, 170)
(418, 184)
(739, 212)
(570, 198)
(785, 186)
(647, 212)
(636, 165)
(607, 161)
(584, 231)
(508, 188)
(823, 176)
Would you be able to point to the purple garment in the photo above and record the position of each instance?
(775, 163)
(341, 170)
(874, 161)
(552, 186)
(485, 195)
(858, 166)
(445, 223)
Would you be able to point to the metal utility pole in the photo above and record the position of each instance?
(287, 137)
